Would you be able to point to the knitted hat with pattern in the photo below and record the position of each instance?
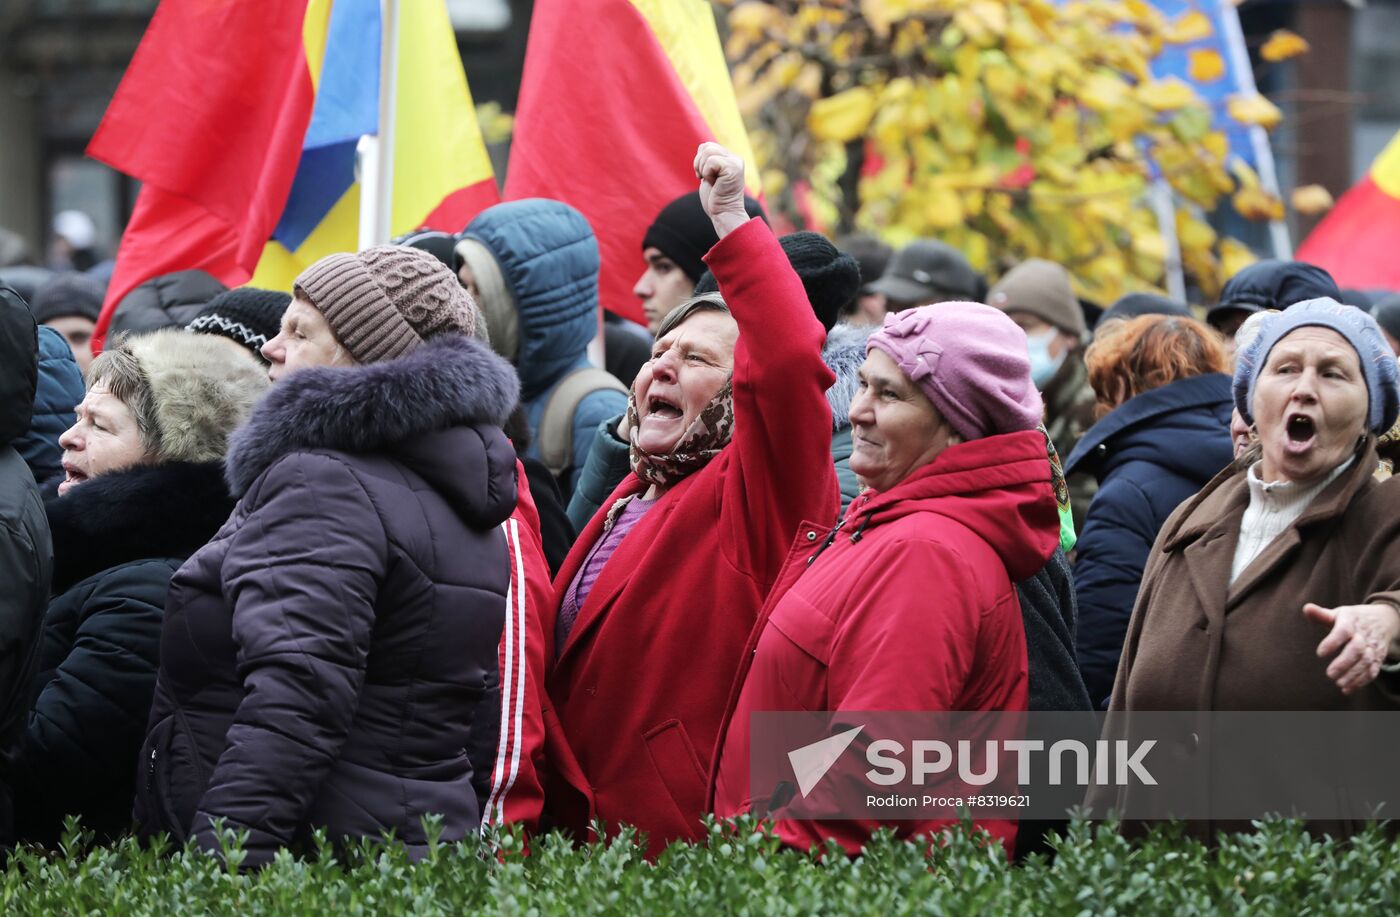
(246, 315)
(383, 302)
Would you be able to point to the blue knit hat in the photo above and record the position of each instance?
(1378, 364)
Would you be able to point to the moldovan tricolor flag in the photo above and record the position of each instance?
(241, 118)
(615, 97)
(1357, 242)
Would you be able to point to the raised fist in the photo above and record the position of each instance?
(721, 175)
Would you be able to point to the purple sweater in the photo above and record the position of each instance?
(593, 566)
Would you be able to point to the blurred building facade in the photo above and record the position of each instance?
(61, 60)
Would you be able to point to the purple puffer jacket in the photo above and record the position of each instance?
(327, 660)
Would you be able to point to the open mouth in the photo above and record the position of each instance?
(71, 477)
(1300, 430)
(663, 409)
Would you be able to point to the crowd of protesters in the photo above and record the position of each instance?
(390, 545)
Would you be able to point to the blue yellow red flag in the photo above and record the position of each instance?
(252, 177)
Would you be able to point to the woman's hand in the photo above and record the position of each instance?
(721, 175)
(1363, 634)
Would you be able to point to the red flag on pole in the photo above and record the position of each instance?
(616, 96)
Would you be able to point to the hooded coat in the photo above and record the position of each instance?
(638, 691)
(1135, 452)
(26, 552)
(60, 389)
(326, 658)
(548, 258)
(118, 539)
(856, 628)
(1047, 597)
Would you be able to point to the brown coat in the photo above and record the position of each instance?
(1196, 642)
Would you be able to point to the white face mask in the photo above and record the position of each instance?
(1043, 366)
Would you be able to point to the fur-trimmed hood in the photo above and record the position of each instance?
(843, 354)
(391, 407)
(166, 510)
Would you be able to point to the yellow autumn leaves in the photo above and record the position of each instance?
(842, 117)
(1008, 128)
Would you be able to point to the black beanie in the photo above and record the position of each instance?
(683, 232)
(1135, 304)
(246, 315)
(441, 245)
(1386, 312)
(66, 294)
(830, 276)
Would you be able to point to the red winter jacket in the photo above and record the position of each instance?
(919, 613)
(527, 643)
(639, 688)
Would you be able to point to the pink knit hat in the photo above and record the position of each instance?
(971, 362)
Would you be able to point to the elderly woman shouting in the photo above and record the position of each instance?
(1277, 586)
(730, 451)
(910, 604)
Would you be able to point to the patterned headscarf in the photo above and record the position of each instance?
(704, 439)
(1068, 538)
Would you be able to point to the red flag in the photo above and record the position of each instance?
(1357, 241)
(215, 137)
(615, 97)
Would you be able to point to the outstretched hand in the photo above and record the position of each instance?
(721, 174)
(1363, 634)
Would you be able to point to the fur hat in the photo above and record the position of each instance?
(200, 388)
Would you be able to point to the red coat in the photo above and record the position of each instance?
(640, 687)
(918, 613)
(527, 644)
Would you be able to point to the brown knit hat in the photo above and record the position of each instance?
(383, 302)
(1042, 288)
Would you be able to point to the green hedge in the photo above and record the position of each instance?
(1277, 870)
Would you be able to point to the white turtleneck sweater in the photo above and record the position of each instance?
(1273, 507)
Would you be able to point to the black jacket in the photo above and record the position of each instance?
(60, 388)
(166, 301)
(326, 660)
(1149, 454)
(1048, 612)
(26, 555)
(118, 539)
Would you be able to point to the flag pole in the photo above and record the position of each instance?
(376, 152)
(1165, 208)
(1258, 137)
